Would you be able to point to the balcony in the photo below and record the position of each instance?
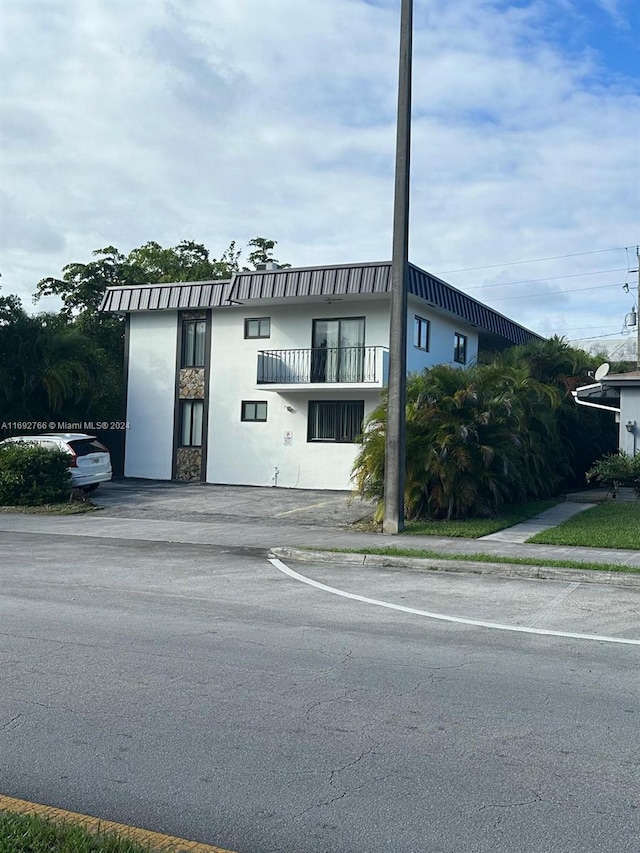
(338, 368)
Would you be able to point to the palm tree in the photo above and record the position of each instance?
(475, 439)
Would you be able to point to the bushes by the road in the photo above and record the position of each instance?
(617, 470)
(33, 476)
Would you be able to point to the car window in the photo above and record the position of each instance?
(84, 446)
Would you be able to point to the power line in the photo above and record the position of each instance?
(536, 260)
(549, 295)
(548, 278)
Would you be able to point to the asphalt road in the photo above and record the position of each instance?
(200, 691)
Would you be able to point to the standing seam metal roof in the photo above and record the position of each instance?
(161, 297)
(352, 279)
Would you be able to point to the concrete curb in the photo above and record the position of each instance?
(506, 570)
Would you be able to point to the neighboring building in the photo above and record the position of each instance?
(618, 393)
(265, 379)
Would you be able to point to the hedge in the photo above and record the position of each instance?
(33, 476)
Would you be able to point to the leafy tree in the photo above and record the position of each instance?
(585, 433)
(82, 286)
(48, 367)
(262, 252)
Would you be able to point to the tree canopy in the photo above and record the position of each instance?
(70, 365)
(82, 285)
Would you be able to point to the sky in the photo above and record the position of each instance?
(125, 121)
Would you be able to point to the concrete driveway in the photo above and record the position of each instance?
(160, 500)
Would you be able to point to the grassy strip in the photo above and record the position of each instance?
(474, 528)
(424, 554)
(75, 508)
(610, 525)
(27, 833)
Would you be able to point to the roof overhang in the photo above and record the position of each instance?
(596, 396)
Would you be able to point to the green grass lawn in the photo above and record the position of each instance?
(427, 554)
(22, 833)
(609, 525)
(474, 528)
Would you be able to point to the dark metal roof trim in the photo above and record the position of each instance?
(325, 281)
(351, 279)
(159, 297)
(442, 295)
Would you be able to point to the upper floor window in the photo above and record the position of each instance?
(460, 348)
(421, 329)
(193, 343)
(257, 327)
(339, 421)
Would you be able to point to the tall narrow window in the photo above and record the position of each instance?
(191, 412)
(339, 421)
(193, 337)
(460, 348)
(421, 329)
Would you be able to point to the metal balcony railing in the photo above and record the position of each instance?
(320, 364)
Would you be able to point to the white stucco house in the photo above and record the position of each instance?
(265, 379)
(618, 393)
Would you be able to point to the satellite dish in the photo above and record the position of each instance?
(602, 371)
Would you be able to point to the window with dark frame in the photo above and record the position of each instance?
(193, 343)
(460, 348)
(191, 416)
(335, 420)
(421, 330)
(254, 410)
(257, 327)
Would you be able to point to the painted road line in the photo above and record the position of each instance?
(544, 612)
(311, 506)
(155, 840)
(444, 617)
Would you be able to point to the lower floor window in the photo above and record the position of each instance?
(254, 410)
(339, 420)
(191, 412)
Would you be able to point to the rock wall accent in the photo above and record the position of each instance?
(192, 383)
(188, 464)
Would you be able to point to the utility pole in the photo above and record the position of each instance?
(394, 468)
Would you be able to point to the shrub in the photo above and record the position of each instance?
(475, 440)
(32, 476)
(616, 470)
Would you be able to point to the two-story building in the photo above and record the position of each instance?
(266, 379)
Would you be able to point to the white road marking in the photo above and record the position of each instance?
(442, 616)
(552, 604)
(310, 506)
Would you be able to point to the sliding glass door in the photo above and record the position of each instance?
(337, 350)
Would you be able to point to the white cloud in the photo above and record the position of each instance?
(222, 119)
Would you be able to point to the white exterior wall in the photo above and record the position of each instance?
(441, 338)
(150, 395)
(249, 453)
(630, 411)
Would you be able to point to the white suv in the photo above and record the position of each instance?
(90, 460)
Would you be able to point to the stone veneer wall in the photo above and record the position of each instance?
(188, 464)
(192, 383)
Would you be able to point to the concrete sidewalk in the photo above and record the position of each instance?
(238, 533)
(550, 518)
